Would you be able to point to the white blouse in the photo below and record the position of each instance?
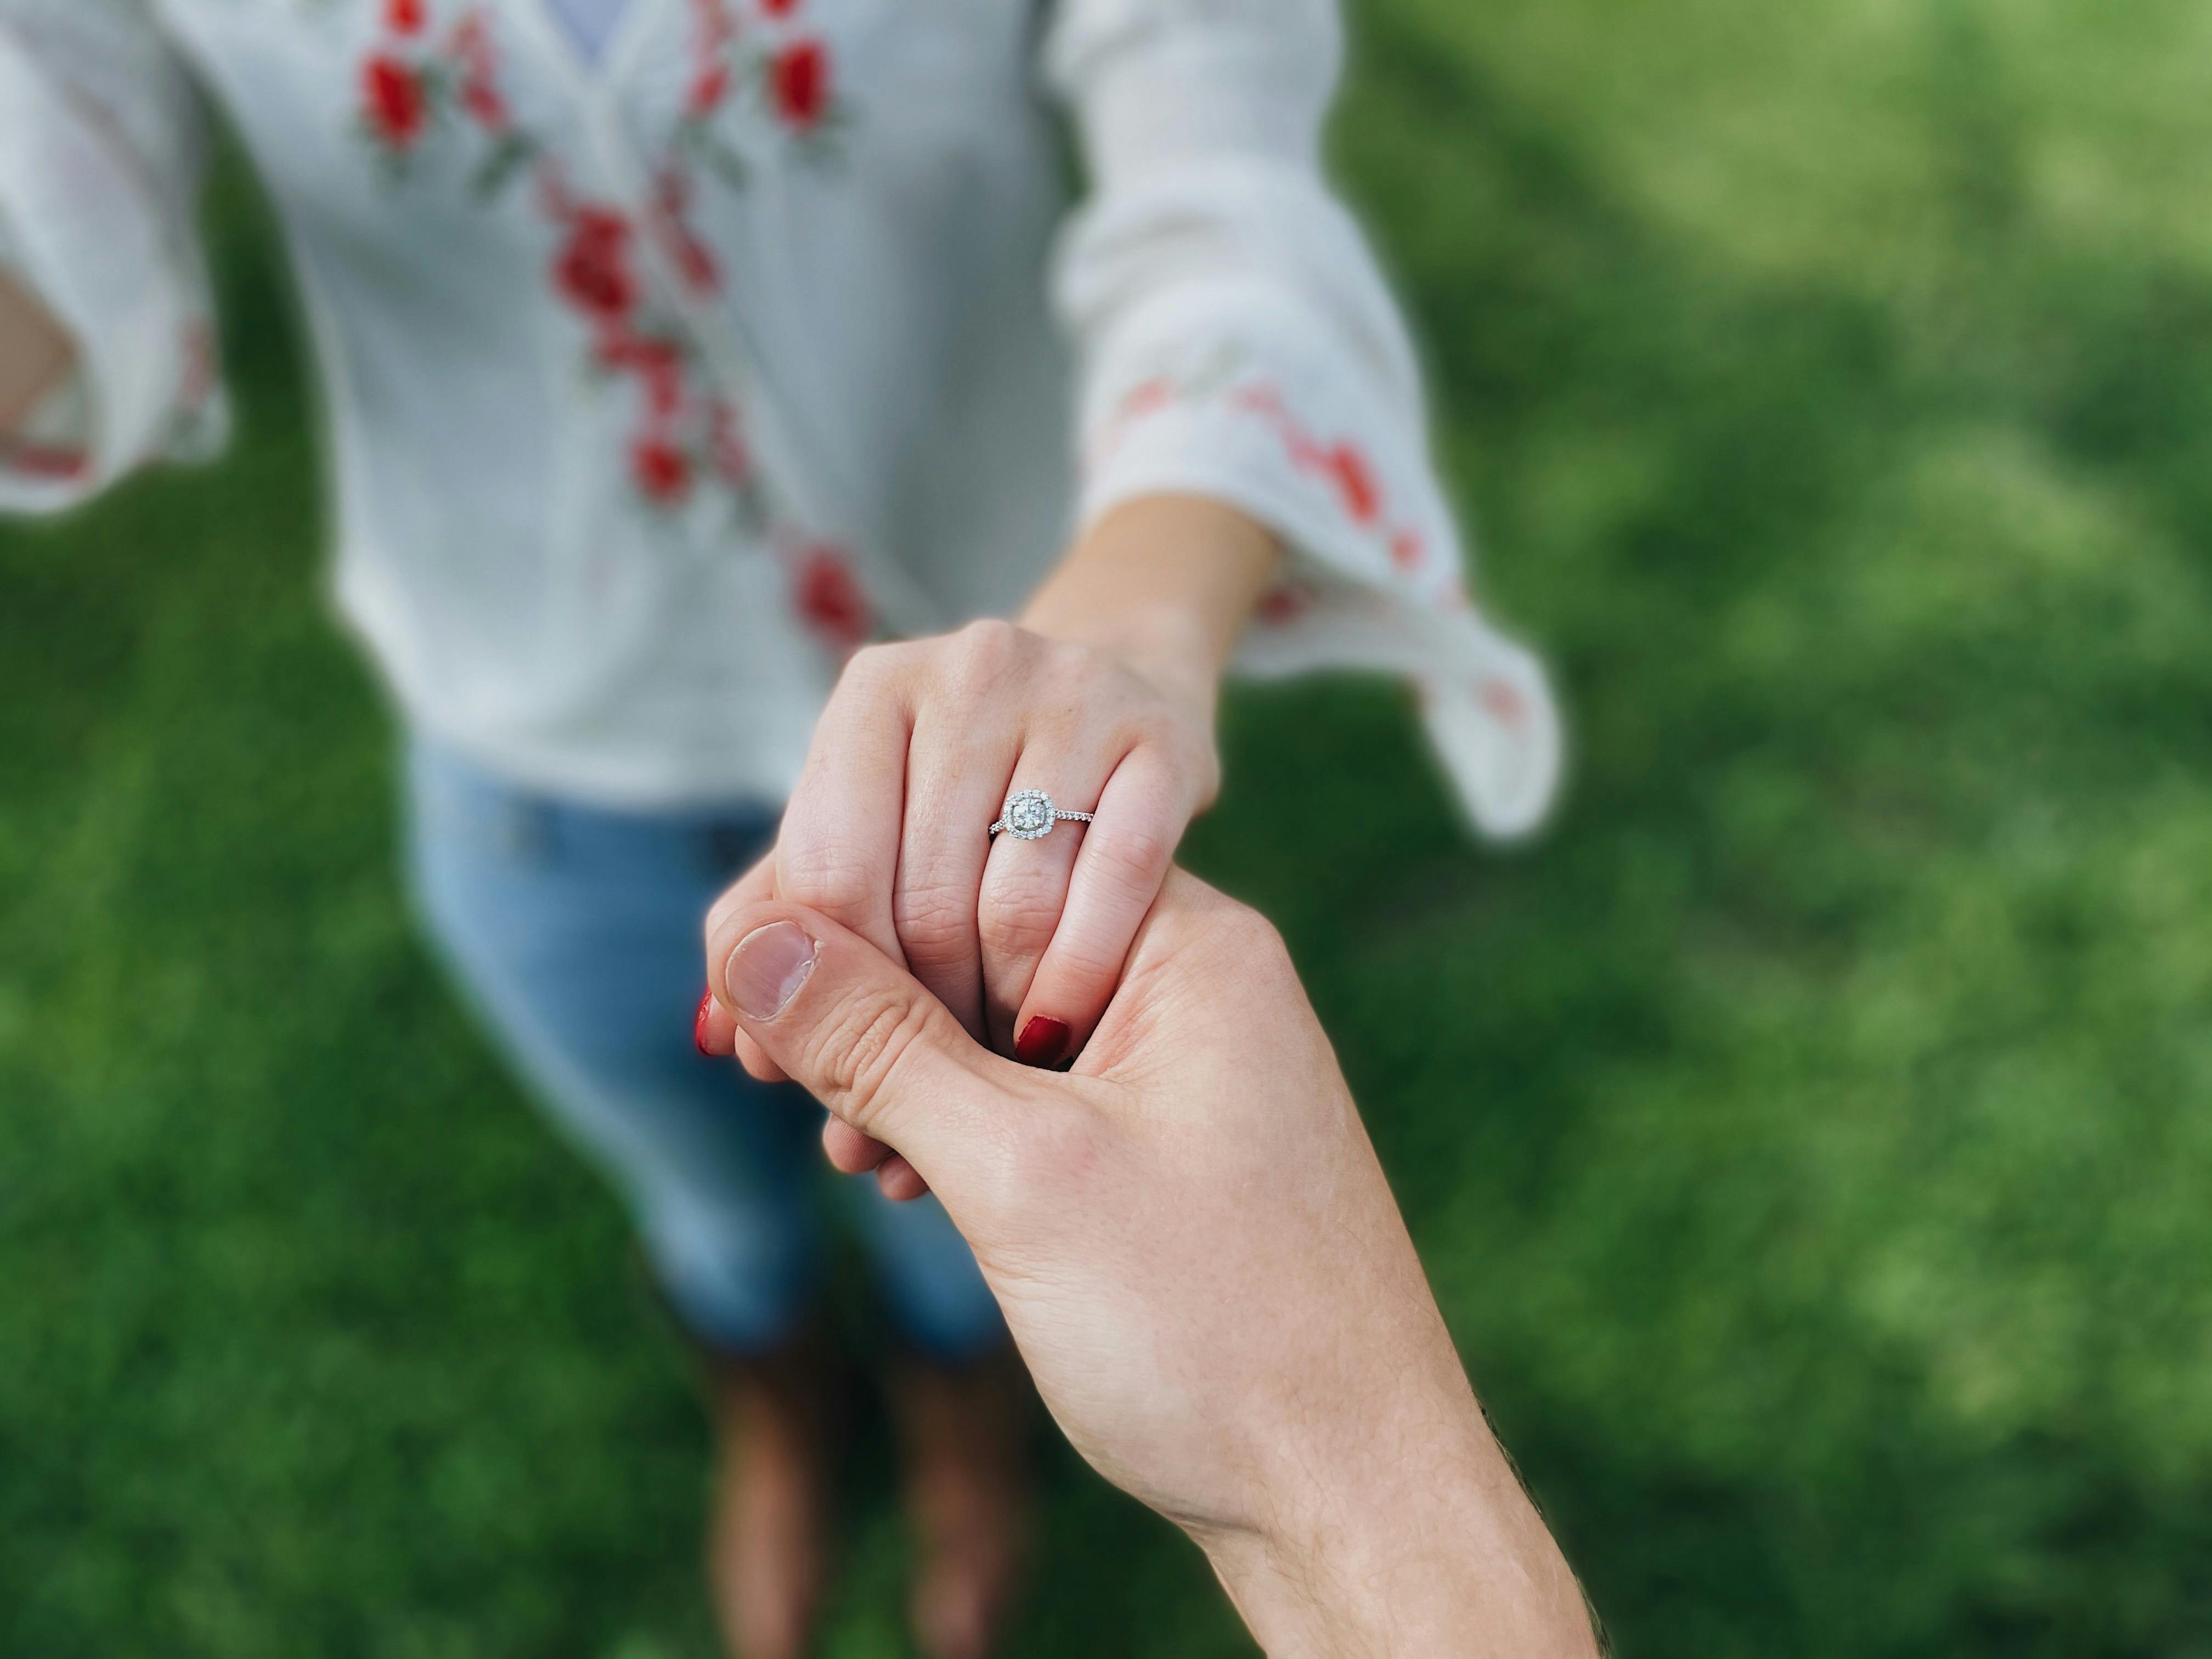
(657, 383)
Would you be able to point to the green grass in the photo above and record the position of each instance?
(1808, 1138)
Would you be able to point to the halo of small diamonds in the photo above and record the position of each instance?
(1030, 815)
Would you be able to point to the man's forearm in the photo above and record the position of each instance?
(35, 354)
(1428, 1547)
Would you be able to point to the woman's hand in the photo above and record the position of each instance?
(914, 757)
(1103, 697)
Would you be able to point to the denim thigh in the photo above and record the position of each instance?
(575, 931)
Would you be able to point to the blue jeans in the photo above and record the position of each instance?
(575, 933)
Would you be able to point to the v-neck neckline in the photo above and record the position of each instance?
(587, 75)
(591, 24)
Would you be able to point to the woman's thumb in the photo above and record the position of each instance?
(854, 1029)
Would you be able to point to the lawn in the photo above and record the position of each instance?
(1808, 1138)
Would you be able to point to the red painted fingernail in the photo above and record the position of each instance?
(699, 1024)
(1043, 1042)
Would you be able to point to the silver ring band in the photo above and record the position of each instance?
(1030, 815)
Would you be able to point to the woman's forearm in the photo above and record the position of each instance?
(1166, 583)
(34, 354)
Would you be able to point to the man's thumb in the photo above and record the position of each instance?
(853, 1027)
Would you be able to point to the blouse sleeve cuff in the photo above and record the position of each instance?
(1373, 577)
(85, 235)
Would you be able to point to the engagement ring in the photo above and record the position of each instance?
(1030, 815)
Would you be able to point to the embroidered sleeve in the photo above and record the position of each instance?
(100, 150)
(1236, 339)
(1236, 336)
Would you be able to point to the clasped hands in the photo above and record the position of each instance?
(1202, 1264)
(1193, 1245)
(1021, 941)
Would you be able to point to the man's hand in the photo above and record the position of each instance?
(1200, 1260)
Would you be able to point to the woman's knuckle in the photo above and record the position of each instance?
(1147, 725)
(1004, 938)
(1135, 855)
(900, 669)
(935, 922)
(1073, 662)
(719, 914)
(987, 647)
(830, 877)
(1088, 958)
(868, 670)
(991, 634)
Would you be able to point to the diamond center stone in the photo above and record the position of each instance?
(1029, 813)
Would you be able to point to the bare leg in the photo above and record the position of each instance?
(966, 1434)
(766, 1535)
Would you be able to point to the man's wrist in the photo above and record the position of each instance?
(1430, 1547)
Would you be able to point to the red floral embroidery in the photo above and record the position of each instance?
(1355, 482)
(593, 275)
(713, 30)
(831, 599)
(1342, 466)
(695, 260)
(1504, 701)
(480, 94)
(659, 366)
(45, 462)
(799, 83)
(1146, 397)
(707, 91)
(393, 100)
(725, 445)
(411, 79)
(685, 434)
(593, 270)
(1283, 603)
(196, 384)
(484, 103)
(662, 471)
